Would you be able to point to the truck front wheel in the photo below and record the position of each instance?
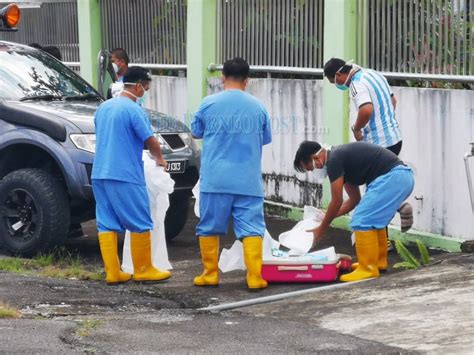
(34, 212)
(176, 215)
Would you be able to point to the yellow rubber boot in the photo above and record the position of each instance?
(253, 261)
(108, 249)
(382, 261)
(143, 269)
(383, 249)
(209, 246)
(367, 250)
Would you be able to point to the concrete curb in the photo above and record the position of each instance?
(429, 239)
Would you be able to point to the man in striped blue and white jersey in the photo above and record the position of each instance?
(374, 101)
(375, 104)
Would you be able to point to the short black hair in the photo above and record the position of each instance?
(120, 54)
(236, 68)
(54, 51)
(304, 153)
(136, 74)
(334, 65)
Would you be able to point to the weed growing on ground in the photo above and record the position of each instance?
(12, 264)
(44, 259)
(59, 263)
(409, 260)
(8, 312)
(84, 327)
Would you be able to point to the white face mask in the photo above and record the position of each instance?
(321, 174)
(140, 99)
(116, 68)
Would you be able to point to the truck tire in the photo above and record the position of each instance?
(176, 215)
(34, 212)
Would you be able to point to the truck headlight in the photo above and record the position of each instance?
(84, 142)
(189, 140)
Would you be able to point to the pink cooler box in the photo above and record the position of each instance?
(296, 271)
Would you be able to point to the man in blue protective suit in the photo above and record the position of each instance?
(389, 182)
(118, 180)
(234, 127)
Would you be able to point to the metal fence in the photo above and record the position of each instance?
(50, 24)
(271, 33)
(416, 36)
(399, 36)
(151, 31)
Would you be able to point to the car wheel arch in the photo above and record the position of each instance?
(16, 150)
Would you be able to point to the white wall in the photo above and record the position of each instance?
(168, 95)
(437, 127)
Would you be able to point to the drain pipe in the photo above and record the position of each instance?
(468, 174)
(278, 297)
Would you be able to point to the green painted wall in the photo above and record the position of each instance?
(90, 38)
(201, 49)
(339, 41)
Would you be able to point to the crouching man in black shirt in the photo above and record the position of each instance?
(389, 182)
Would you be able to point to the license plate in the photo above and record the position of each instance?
(175, 167)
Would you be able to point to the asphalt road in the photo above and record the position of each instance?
(75, 316)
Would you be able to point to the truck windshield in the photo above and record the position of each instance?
(34, 75)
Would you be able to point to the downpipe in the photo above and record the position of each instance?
(468, 155)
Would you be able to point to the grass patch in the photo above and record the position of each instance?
(44, 259)
(59, 263)
(13, 264)
(8, 312)
(71, 273)
(85, 327)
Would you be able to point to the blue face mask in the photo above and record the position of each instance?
(342, 87)
(141, 100)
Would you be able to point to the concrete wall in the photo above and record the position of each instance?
(295, 110)
(168, 95)
(437, 126)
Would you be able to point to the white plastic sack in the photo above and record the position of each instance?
(159, 185)
(233, 258)
(196, 192)
(298, 239)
